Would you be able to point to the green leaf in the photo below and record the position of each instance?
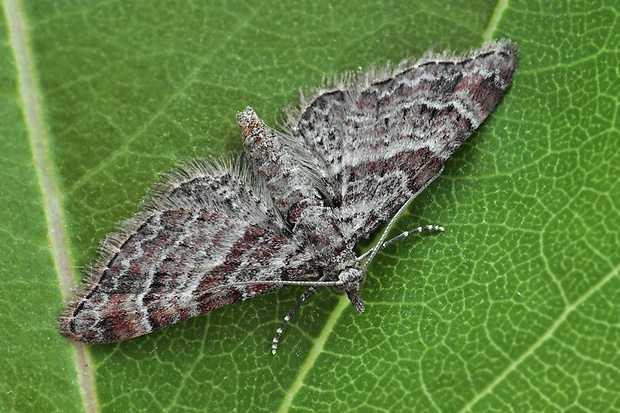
(515, 307)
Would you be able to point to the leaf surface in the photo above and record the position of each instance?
(515, 307)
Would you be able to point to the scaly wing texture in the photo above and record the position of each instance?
(186, 255)
(375, 142)
(291, 189)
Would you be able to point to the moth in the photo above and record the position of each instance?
(292, 210)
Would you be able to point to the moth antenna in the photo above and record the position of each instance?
(307, 294)
(290, 282)
(403, 235)
(380, 244)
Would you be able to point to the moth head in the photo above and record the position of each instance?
(350, 280)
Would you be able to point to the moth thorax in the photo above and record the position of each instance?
(350, 279)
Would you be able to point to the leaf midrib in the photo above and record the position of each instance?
(38, 139)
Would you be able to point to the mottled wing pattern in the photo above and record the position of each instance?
(399, 131)
(291, 188)
(186, 255)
